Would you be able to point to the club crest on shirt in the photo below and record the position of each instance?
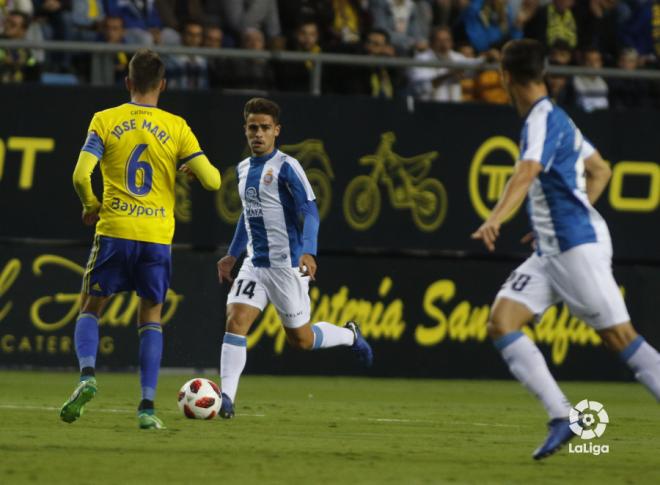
(268, 178)
(252, 203)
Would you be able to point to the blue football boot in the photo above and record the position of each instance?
(560, 433)
(226, 407)
(360, 346)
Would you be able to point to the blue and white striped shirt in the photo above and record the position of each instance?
(276, 195)
(558, 206)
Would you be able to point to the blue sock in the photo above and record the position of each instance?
(86, 338)
(151, 350)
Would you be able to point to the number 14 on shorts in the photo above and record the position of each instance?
(246, 287)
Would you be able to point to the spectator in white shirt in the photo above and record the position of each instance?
(439, 83)
(591, 92)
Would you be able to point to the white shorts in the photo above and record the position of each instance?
(581, 277)
(286, 288)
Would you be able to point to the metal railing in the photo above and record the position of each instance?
(318, 59)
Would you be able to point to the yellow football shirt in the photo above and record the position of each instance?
(139, 148)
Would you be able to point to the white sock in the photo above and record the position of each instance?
(527, 364)
(644, 360)
(232, 362)
(330, 335)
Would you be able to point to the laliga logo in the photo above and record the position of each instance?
(588, 420)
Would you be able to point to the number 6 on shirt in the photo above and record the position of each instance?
(132, 166)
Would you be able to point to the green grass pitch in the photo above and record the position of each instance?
(299, 430)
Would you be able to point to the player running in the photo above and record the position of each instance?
(276, 197)
(139, 147)
(562, 175)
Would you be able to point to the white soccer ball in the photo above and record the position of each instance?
(199, 398)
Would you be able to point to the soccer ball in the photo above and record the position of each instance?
(199, 399)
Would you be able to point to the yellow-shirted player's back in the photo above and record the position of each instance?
(140, 147)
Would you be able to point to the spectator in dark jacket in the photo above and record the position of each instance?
(219, 67)
(174, 12)
(253, 74)
(189, 71)
(111, 68)
(598, 22)
(560, 88)
(296, 76)
(17, 65)
(293, 12)
(374, 81)
(628, 93)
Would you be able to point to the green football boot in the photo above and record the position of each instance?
(148, 420)
(74, 407)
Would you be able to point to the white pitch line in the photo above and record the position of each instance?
(101, 410)
(495, 425)
(459, 423)
(50, 408)
(376, 420)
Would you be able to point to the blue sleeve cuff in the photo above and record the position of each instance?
(190, 157)
(94, 145)
(239, 242)
(310, 227)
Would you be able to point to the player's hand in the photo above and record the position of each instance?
(91, 216)
(184, 168)
(307, 266)
(488, 233)
(225, 265)
(529, 239)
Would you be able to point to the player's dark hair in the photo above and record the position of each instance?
(525, 60)
(262, 106)
(146, 70)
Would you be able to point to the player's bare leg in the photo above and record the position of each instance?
(151, 350)
(86, 339)
(527, 364)
(322, 335)
(233, 355)
(643, 359)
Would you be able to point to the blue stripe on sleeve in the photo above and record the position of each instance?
(190, 157)
(239, 242)
(304, 208)
(310, 228)
(94, 145)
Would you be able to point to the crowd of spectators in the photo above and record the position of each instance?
(591, 33)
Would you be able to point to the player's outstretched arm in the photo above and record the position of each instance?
(514, 193)
(236, 248)
(310, 213)
(82, 183)
(201, 168)
(598, 174)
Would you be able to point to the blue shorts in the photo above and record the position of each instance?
(117, 265)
